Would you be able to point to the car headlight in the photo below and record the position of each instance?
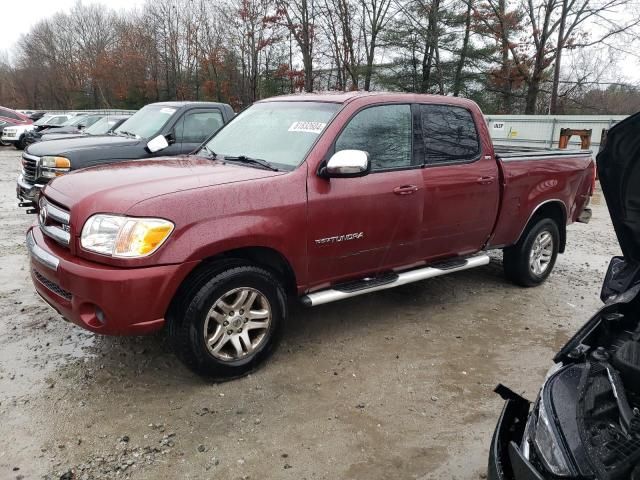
(126, 237)
(547, 443)
(52, 167)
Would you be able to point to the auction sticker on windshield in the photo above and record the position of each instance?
(309, 127)
(169, 111)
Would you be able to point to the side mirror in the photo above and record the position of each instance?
(81, 126)
(156, 144)
(347, 164)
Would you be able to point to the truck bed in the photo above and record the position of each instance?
(510, 152)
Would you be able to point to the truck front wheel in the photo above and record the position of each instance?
(21, 144)
(530, 261)
(228, 321)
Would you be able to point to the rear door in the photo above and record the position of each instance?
(196, 126)
(368, 224)
(461, 182)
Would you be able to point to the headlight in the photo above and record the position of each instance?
(52, 167)
(547, 443)
(126, 237)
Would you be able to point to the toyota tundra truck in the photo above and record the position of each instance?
(314, 197)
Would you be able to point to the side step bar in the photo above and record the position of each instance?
(410, 276)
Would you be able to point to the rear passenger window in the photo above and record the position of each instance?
(449, 134)
(384, 132)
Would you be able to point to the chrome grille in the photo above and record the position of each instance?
(54, 287)
(30, 166)
(54, 222)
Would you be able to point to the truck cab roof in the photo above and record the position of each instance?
(372, 98)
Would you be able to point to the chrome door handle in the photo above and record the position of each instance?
(405, 190)
(486, 180)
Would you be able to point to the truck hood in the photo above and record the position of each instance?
(619, 172)
(67, 146)
(58, 136)
(117, 187)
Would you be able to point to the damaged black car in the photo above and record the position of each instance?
(585, 423)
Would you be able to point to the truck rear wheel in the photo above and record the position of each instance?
(229, 320)
(530, 261)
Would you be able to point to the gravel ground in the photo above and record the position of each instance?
(396, 384)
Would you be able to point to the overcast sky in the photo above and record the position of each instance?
(18, 16)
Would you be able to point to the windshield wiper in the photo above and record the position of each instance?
(251, 161)
(128, 134)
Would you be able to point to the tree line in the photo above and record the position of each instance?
(511, 56)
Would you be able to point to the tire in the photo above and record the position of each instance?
(212, 305)
(529, 262)
(20, 144)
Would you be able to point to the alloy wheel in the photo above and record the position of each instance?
(237, 324)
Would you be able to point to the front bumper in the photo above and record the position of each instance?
(100, 298)
(506, 461)
(28, 192)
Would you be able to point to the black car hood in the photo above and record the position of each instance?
(67, 146)
(58, 136)
(619, 171)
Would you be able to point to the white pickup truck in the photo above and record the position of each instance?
(15, 135)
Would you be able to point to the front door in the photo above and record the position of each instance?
(362, 226)
(195, 127)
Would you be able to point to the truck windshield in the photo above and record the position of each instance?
(43, 120)
(102, 126)
(147, 121)
(74, 120)
(279, 132)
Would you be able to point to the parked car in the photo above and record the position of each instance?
(17, 135)
(5, 123)
(103, 126)
(585, 423)
(37, 116)
(74, 124)
(316, 197)
(170, 128)
(15, 117)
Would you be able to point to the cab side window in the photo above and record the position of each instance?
(196, 127)
(384, 132)
(449, 134)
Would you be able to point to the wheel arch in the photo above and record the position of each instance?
(265, 257)
(554, 209)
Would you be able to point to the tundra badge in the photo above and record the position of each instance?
(340, 238)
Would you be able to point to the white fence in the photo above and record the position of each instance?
(112, 111)
(543, 131)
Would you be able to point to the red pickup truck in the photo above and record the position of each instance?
(320, 197)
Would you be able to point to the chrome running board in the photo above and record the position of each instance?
(410, 276)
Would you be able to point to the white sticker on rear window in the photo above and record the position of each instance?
(309, 127)
(170, 111)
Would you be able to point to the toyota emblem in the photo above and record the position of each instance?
(43, 215)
